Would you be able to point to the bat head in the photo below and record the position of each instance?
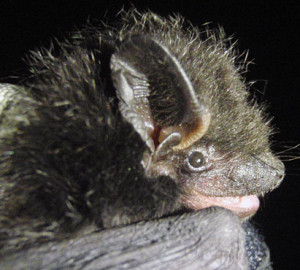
(187, 100)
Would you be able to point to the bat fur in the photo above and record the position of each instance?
(69, 158)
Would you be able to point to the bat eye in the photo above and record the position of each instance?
(196, 160)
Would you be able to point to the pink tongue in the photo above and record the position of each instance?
(241, 206)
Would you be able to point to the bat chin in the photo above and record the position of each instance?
(242, 206)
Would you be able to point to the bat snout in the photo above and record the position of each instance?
(259, 174)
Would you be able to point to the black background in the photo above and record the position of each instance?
(269, 29)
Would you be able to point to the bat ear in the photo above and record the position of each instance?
(155, 94)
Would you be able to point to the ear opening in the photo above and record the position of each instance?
(190, 133)
(155, 94)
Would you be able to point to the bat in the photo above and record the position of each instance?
(142, 121)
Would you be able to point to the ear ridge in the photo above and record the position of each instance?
(155, 93)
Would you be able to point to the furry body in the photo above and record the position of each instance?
(67, 155)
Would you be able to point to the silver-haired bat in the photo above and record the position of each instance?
(130, 123)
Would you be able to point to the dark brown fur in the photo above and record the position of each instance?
(67, 156)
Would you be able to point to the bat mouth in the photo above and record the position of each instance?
(242, 206)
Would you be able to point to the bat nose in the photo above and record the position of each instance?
(280, 173)
(261, 173)
(273, 167)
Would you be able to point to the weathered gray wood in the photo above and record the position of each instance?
(211, 239)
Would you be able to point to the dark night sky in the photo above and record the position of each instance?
(269, 29)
